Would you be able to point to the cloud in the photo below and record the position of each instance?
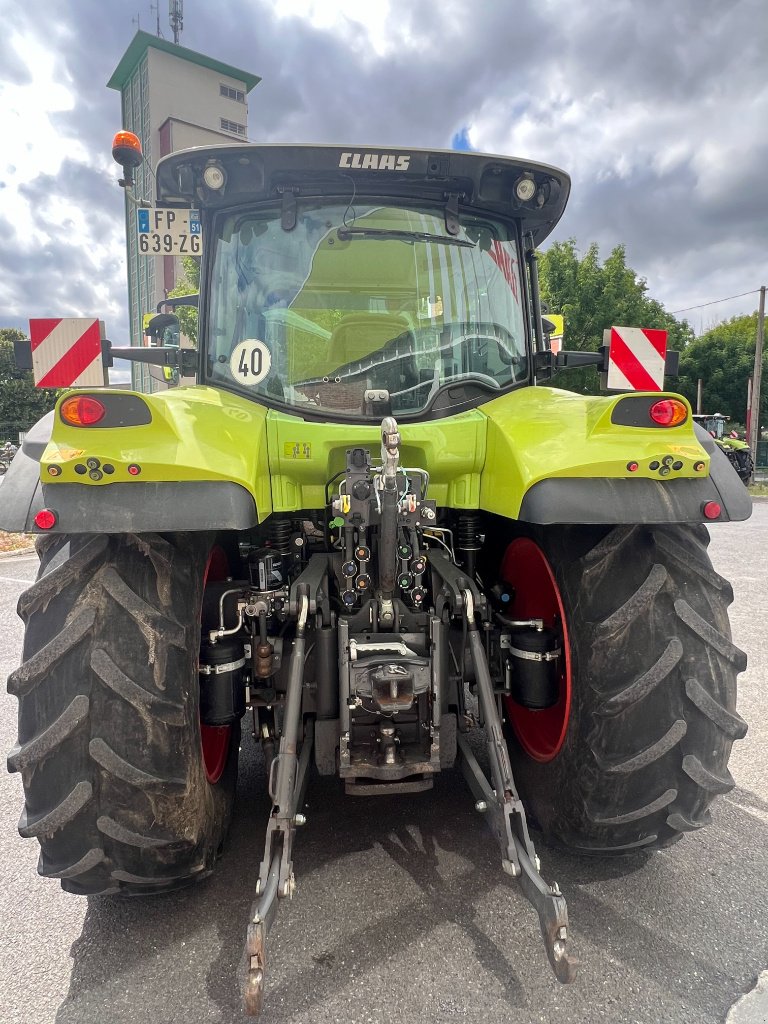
(659, 112)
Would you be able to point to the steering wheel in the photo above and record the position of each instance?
(463, 331)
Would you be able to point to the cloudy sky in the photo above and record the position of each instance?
(657, 108)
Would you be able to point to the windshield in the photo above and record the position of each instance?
(362, 299)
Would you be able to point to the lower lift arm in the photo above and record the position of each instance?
(287, 783)
(506, 816)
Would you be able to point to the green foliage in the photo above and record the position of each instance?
(594, 296)
(21, 403)
(188, 284)
(724, 358)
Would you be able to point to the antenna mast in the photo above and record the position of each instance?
(176, 17)
(156, 9)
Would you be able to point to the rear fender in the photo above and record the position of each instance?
(198, 458)
(558, 457)
(21, 496)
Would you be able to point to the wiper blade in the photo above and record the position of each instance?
(349, 234)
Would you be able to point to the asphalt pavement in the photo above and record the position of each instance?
(402, 911)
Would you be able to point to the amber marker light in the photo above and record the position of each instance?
(82, 411)
(669, 412)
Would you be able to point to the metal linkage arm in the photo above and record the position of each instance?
(506, 814)
(287, 783)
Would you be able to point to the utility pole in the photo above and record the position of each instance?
(754, 405)
(699, 396)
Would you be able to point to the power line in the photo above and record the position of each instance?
(714, 302)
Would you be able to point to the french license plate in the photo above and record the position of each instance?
(169, 232)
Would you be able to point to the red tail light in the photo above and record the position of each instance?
(45, 519)
(669, 412)
(82, 410)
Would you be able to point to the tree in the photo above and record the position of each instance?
(188, 284)
(724, 359)
(593, 297)
(21, 403)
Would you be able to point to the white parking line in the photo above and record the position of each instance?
(14, 579)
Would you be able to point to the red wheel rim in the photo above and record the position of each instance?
(541, 733)
(215, 739)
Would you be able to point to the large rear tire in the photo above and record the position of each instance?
(110, 753)
(652, 677)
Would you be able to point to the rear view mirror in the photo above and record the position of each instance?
(163, 329)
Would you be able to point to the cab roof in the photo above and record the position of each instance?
(255, 173)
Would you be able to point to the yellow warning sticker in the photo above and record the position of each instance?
(297, 450)
(63, 454)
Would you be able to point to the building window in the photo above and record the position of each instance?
(232, 94)
(232, 126)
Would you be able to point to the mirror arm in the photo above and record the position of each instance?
(182, 359)
(568, 359)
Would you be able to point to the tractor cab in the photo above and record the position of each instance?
(340, 284)
(713, 423)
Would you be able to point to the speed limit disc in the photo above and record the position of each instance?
(250, 362)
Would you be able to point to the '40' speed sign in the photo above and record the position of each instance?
(169, 232)
(250, 362)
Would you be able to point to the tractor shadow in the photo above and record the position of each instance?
(401, 902)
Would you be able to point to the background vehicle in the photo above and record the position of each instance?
(737, 450)
(368, 507)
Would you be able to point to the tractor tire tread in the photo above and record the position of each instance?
(62, 814)
(109, 745)
(111, 762)
(114, 830)
(648, 754)
(87, 862)
(706, 779)
(653, 712)
(27, 755)
(144, 701)
(639, 688)
(637, 813)
(729, 722)
(710, 635)
(40, 665)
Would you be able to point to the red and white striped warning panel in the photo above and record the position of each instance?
(66, 352)
(636, 359)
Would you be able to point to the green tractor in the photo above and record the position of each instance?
(736, 450)
(372, 527)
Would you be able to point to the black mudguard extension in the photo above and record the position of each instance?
(134, 507)
(21, 495)
(593, 500)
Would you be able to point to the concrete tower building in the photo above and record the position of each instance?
(172, 98)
